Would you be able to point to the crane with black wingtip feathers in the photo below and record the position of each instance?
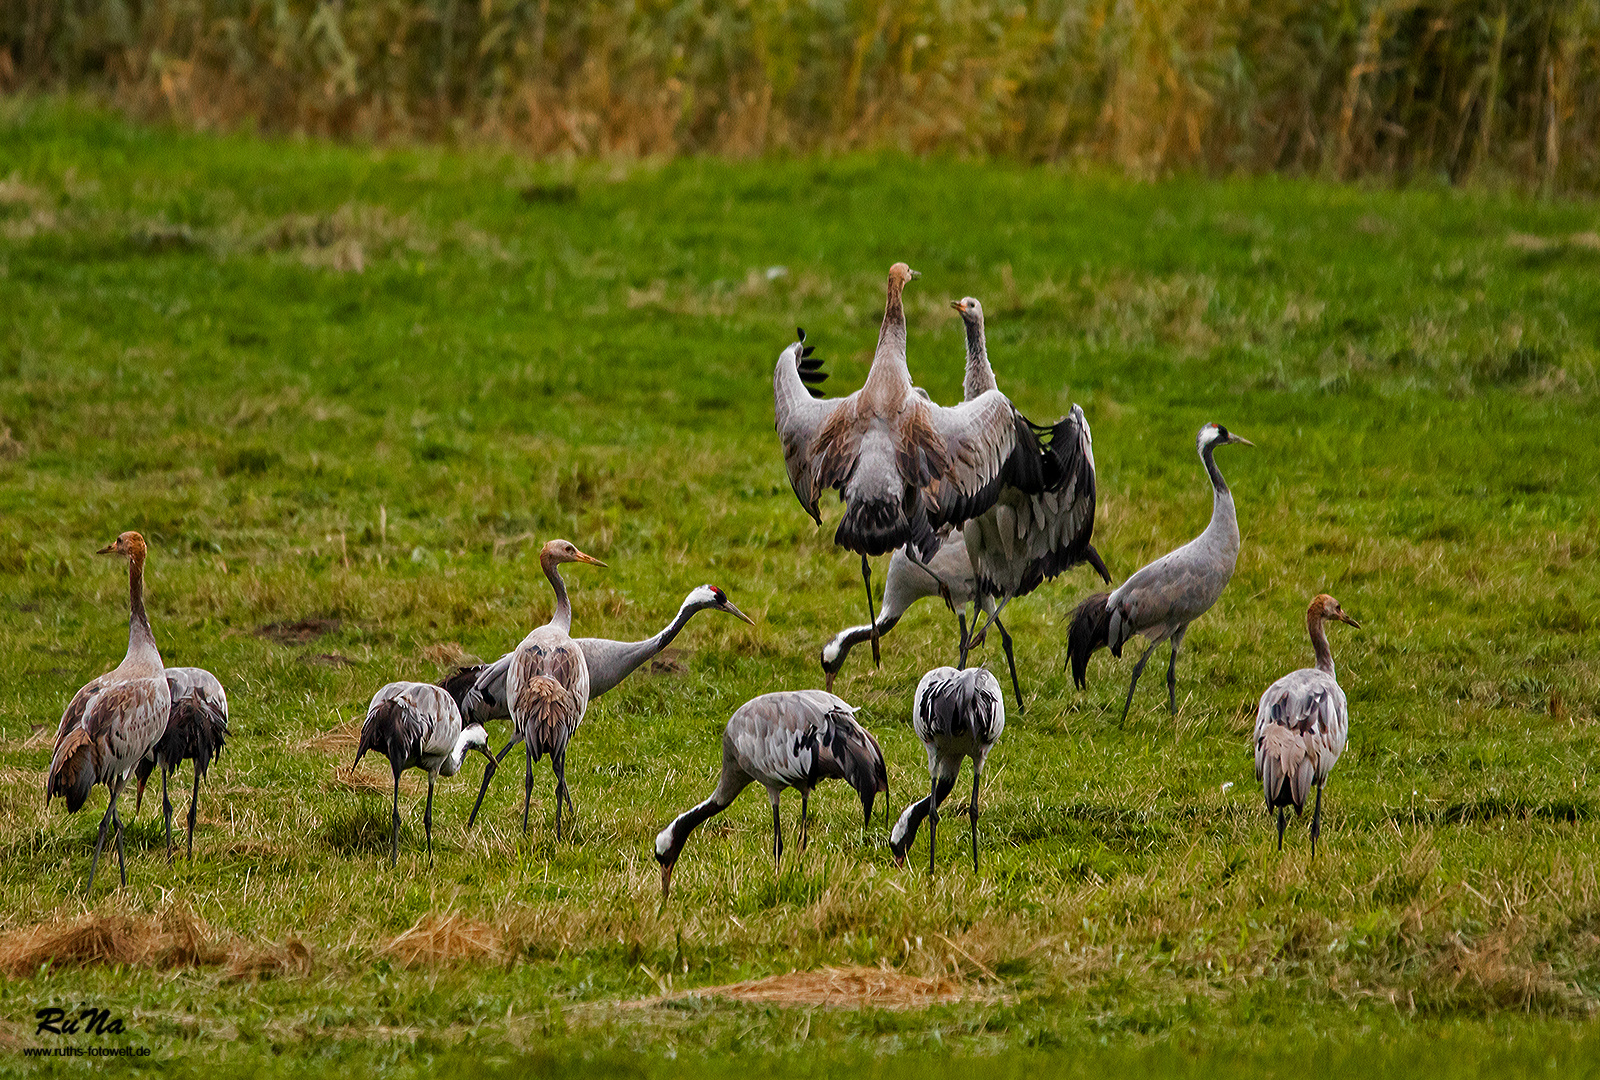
(1164, 597)
(957, 715)
(1302, 723)
(480, 690)
(112, 722)
(904, 466)
(1029, 537)
(789, 739)
(197, 727)
(547, 689)
(418, 726)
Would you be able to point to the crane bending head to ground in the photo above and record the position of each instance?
(1163, 598)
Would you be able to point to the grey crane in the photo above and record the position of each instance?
(113, 721)
(789, 739)
(418, 726)
(903, 465)
(480, 689)
(947, 575)
(1028, 538)
(547, 689)
(1163, 598)
(197, 726)
(957, 714)
(1301, 726)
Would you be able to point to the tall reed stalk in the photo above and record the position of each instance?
(1394, 88)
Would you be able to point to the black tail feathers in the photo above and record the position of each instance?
(383, 733)
(1091, 630)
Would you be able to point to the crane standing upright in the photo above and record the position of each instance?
(547, 689)
(112, 722)
(1302, 723)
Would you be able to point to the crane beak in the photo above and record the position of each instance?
(727, 605)
(829, 684)
(912, 275)
(1347, 619)
(591, 560)
(666, 880)
(1240, 439)
(109, 549)
(957, 305)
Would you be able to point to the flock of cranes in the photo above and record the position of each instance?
(975, 504)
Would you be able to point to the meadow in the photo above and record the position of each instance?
(346, 391)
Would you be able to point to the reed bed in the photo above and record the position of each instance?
(1454, 89)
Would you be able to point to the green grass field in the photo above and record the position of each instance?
(361, 386)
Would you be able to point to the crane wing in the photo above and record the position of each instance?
(819, 437)
(960, 457)
(1309, 707)
(1026, 539)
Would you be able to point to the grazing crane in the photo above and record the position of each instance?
(957, 714)
(1026, 539)
(418, 726)
(480, 690)
(547, 689)
(1301, 726)
(947, 575)
(790, 739)
(903, 466)
(196, 729)
(1163, 598)
(113, 721)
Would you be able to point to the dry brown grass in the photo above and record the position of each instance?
(843, 988)
(175, 938)
(449, 938)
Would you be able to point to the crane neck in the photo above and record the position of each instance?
(619, 659)
(1224, 519)
(141, 642)
(980, 376)
(889, 371)
(561, 618)
(1319, 644)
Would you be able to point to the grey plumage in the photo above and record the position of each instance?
(957, 715)
(903, 466)
(789, 739)
(112, 722)
(197, 728)
(546, 689)
(480, 690)
(1164, 597)
(1029, 537)
(417, 726)
(1302, 723)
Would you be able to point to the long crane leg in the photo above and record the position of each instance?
(394, 839)
(777, 837)
(194, 802)
(105, 823)
(488, 774)
(805, 833)
(1281, 824)
(872, 616)
(933, 817)
(977, 771)
(1316, 822)
(1172, 671)
(1011, 661)
(166, 811)
(1138, 669)
(527, 789)
(558, 762)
